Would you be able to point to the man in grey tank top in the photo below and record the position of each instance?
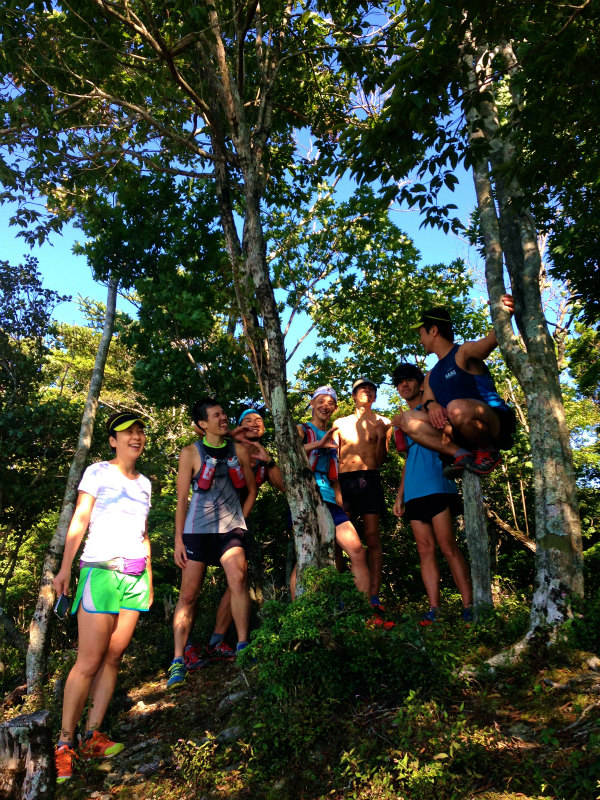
(210, 529)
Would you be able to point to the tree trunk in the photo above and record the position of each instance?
(510, 239)
(477, 542)
(26, 758)
(38, 630)
(313, 526)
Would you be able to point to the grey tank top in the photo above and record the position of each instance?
(218, 509)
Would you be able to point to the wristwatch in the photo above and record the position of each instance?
(426, 404)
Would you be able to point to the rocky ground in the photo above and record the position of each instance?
(150, 721)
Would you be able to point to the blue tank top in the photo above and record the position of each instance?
(321, 470)
(449, 382)
(423, 475)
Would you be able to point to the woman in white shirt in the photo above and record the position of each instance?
(115, 585)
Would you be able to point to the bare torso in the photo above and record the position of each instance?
(360, 440)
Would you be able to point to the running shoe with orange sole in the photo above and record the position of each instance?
(98, 745)
(64, 756)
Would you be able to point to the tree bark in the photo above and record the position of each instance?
(477, 542)
(26, 762)
(38, 630)
(313, 526)
(510, 240)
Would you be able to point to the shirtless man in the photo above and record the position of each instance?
(363, 439)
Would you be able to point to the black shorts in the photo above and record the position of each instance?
(508, 425)
(362, 492)
(424, 509)
(208, 548)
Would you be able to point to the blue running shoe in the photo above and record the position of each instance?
(467, 614)
(177, 673)
(429, 617)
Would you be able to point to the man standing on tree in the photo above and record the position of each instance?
(212, 530)
(363, 441)
(463, 417)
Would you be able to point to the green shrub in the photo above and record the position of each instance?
(591, 570)
(584, 628)
(322, 645)
(196, 762)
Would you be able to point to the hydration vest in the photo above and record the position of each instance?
(227, 462)
(260, 474)
(329, 452)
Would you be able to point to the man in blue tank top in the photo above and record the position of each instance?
(428, 501)
(463, 417)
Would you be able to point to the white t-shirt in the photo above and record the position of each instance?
(118, 519)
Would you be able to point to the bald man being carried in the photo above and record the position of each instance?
(363, 440)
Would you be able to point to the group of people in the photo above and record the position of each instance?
(455, 421)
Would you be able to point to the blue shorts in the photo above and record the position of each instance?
(338, 515)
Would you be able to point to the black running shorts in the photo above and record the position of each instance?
(362, 492)
(424, 509)
(208, 548)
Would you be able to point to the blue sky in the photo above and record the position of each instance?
(69, 274)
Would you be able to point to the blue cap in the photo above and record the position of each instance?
(248, 411)
(328, 390)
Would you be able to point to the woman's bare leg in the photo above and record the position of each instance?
(95, 631)
(104, 683)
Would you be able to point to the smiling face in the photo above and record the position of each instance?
(323, 406)
(409, 389)
(253, 426)
(364, 394)
(130, 442)
(216, 422)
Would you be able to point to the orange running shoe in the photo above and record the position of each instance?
(99, 746)
(63, 759)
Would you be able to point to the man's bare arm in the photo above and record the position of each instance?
(328, 439)
(384, 431)
(274, 475)
(185, 473)
(244, 459)
(437, 413)
(481, 348)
